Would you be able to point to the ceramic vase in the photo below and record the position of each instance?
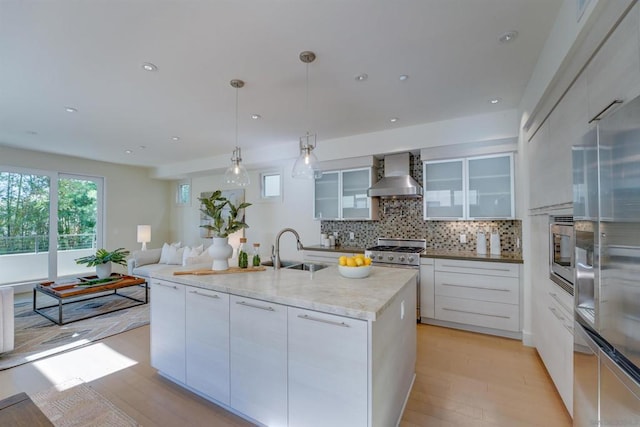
(103, 270)
(220, 251)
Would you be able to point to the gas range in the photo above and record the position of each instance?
(397, 252)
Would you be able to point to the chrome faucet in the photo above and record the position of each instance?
(275, 251)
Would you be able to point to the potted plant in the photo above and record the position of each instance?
(103, 259)
(226, 218)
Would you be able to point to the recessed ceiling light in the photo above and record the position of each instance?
(31, 132)
(148, 66)
(495, 101)
(142, 147)
(70, 110)
(128, 151)
(403, 77)
(256, 116)
(175, 138)
(393, 119)
(361, 77)
(508, 36)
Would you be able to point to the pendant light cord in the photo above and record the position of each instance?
(236, 118)
(307, 102)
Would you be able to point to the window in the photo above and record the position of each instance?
(30, 202)
(271, 185)
(183, 193)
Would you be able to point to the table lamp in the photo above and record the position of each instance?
(144, 235)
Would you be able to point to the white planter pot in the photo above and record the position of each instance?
(103, 270)
(220, 251)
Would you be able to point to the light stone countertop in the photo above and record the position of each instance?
(327, 291)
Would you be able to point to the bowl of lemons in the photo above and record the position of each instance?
(355, 267)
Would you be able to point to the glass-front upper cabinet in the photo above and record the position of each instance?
(444, 189)
(490, 191)
(355, 203)
(327, 196)
(470, 188)
(343, 195)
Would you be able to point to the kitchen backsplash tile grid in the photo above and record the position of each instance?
(403, 218)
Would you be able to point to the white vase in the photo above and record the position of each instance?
(103, 270)
(220, 251)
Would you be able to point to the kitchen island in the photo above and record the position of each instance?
(285, 347)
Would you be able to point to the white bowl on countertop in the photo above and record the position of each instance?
(354, 272)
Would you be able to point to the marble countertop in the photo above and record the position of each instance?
(325, 291)
(508, 257)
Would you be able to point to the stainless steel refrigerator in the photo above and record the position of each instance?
(606, 187)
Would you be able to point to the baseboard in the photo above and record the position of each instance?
(472, 328)
(527, 339)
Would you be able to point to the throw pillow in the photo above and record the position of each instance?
(168, 252)
(150, 256)
(203, 258)
(191, 253)
(176, 258)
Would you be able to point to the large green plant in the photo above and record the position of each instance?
(103, 256)
(224, 222)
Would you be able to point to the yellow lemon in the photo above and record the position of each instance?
(359, 255)
(359, 261)
(342, 260)
(367, 261)
(351, 262)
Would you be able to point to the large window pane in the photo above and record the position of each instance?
(77, 223)
(24, 226)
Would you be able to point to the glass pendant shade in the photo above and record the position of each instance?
(306, 164)
(236, 173)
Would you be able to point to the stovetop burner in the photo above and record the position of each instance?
(405, 249)
(390, 251)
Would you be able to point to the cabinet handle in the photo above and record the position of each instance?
(599, 115)
(316, 319)
(557, 298)
(475, 312)
(165, 286)
(555, 313)
(477, 287)
(261, 307)
(215, 296)
(569, 328)
(475, 268)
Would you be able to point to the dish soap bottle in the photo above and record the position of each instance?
(256, 255)
(243, 257)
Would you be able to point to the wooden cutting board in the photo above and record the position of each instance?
(231, 270)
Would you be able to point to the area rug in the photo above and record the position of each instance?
(76, 404)
(37, 337)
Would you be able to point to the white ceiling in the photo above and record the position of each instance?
(89, 55)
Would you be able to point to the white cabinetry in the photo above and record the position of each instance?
(478, 295)
(614, 71)
(207, 342)
(327, 370)
(427, 288)
(168, 329)
(470, 188)
(259, 359)
(552, 318)
(343, 195)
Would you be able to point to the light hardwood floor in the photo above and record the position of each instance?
(462, 378)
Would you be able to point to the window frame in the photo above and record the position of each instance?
(271, 172)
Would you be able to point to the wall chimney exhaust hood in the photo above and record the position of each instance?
(397, 182)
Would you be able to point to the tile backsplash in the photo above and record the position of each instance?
(403, 218)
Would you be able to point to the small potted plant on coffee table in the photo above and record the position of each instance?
(103, 259)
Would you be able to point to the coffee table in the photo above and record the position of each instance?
(67, 293)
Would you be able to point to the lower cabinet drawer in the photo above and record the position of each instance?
(478, 313)
(478, 287)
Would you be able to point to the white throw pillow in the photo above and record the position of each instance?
(203, 258)
(150, 256)
(191, 253)
(168, 253)
(176, 258)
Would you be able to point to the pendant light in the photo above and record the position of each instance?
(237, 173)
(307, 162)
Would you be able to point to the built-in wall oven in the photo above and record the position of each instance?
(561, 253)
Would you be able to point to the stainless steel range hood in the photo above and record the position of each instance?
(397, 183)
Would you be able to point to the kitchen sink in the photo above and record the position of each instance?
(297, 265)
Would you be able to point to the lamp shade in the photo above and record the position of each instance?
(144, 235)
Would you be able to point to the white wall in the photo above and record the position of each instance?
(131, 196)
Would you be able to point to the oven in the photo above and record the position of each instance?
(561, 251)
(399, 253)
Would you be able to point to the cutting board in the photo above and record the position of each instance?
(231, 270)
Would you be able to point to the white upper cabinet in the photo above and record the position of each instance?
(470, 188)
(444, 189)
(343, 195)
(614, 72)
